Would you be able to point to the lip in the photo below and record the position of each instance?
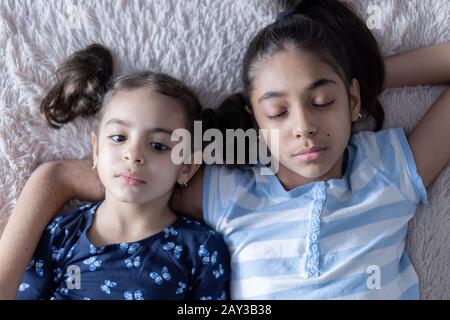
(310, 154)
(131, 180)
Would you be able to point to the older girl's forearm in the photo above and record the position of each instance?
(425, 66)
(43, 196)
(45, 193)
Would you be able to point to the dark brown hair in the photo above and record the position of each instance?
(327, 28)
(85, 84)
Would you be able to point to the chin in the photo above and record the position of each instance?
(131, 199)
(310, 174)
(126, 196)
(310, 171)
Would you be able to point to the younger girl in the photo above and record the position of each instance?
(132, 245)
(332, 223)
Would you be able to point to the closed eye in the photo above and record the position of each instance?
(323, 105)
(277, 116)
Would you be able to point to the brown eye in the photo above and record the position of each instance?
(159, 147)
(117, 138)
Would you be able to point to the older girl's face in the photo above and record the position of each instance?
(133, 149)
(303, 97)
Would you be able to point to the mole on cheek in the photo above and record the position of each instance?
(328, 134)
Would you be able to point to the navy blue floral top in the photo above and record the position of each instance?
(186, 260)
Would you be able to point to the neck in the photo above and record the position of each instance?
(116, 221)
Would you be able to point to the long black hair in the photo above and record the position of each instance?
(327, 28)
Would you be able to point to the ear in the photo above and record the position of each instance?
(355, 100)
(94, 146)
(188, 171)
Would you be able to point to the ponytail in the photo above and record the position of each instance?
(230, 114)
(82, 81)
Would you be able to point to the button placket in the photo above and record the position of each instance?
(313, 249)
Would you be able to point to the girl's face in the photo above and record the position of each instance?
(303, 97)
(133, 149)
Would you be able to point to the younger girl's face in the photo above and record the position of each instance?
(306, 100)
(133, 149)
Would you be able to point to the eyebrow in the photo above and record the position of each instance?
(127, 124)
(312, 86)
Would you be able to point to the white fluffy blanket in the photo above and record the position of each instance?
(201, 42)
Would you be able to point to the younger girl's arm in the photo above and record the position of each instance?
(44, 194)
(430, 140)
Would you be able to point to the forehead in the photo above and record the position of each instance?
(289, 69)
(146, 108)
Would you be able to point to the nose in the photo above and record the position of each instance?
(134, 156)
(304, 125)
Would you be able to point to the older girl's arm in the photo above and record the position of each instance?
(188, 200)
(45, 193)
(425, 66)
(430, 140)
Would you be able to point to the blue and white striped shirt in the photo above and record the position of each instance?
(336, 239)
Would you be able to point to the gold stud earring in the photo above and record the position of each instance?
(94, 166)
(360, 115)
